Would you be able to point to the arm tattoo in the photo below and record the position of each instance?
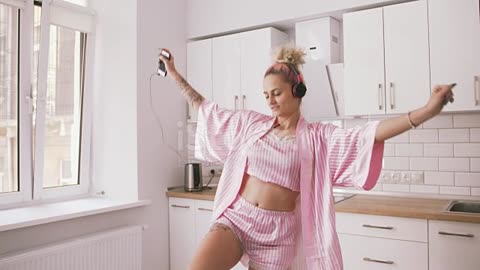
(188, 92)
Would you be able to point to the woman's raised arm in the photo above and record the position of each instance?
(388, 128)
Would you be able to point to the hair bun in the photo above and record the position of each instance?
(290, 55)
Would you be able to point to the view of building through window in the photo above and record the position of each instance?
(8, 98)
(62, 102)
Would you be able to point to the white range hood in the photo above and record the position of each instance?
(323, 77)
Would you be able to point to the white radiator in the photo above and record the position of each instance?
(119, 249)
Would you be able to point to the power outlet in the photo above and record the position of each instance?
(417, 178)
(396, 177)
(406, 178)
(386, 177)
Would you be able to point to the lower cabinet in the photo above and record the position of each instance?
(382, 242)
(454, 245)
(371, 253)
(189, 221)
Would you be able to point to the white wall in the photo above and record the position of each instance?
(127, 152)
(212, 17)
(158, 166)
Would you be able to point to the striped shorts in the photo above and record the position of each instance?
(267, 237)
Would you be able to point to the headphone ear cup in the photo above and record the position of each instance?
(299, 90)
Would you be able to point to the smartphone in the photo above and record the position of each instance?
(161, 65)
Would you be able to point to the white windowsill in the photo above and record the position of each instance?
(16, 218)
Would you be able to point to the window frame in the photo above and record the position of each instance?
(24, 111)
(74, 17)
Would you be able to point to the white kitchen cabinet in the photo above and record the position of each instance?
(199, 69)
(370, 253)
(386, 59)
(203, 216)
(455, 50)
(182, 235)
(454, 245)
(189, 222)
(364, 62)
(393, 242)
(239, 63)
(226, 71)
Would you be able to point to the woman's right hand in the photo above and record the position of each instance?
(169, 64)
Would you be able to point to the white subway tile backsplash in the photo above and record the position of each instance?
(396, 187)
(389, 150)
(453, 135)
(475, 191)
(424, 189)
(454, 164)
(349, 123)
(423, 163)
(466, 120)
(475, 164)
(438, 150)
(466, 150)
(439, 121)
(455, 190)
(409, 150)
(475, 135)
(467, 179)
(395, 163)
(402, 138)
(423, 135)
(439, 178)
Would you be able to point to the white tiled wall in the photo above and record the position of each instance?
(445, 150)
(442, 156)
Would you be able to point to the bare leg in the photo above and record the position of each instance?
(219, 250)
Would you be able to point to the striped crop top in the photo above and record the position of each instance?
(275, 160)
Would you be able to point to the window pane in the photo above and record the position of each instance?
(63, 107)
(8, 98)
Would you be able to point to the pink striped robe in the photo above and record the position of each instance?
(329, 156)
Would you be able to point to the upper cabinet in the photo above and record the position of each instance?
(455, 50)
(199, 69)
(386, 59)
(239, 63)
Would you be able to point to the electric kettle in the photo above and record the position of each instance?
(193, 177)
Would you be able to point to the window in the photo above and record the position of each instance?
(44, 99)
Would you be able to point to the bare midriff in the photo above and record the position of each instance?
(267, 195)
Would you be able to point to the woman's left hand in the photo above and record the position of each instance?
(441, 95)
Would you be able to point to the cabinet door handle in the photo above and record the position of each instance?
(469, 235)
(205, 209)
(235, 98)
(380, 102)
(475, 89)
(180, 206)
(377, 227)
(392, 95)
(243, 101)
(377, 261)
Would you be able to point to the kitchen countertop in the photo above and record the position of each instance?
(422, 208)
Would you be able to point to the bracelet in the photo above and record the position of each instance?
(412, 125)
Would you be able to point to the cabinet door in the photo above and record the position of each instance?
(226, 71)
(454, 245)
(256, 58)
(364, 62)
(199, 70)
(203, 216)
(407, 75)
(182, 234)
(382, 254)
(454, 49)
